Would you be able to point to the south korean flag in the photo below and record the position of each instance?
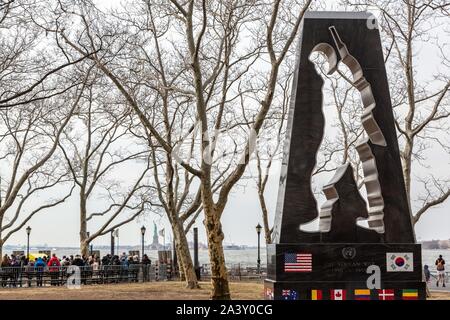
(399, 262)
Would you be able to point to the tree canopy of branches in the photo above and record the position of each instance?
(40, 89)
(202, 61)
(98, 149)
(29, 166)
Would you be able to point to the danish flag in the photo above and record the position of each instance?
(386, 294)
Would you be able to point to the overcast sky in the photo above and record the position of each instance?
(60, 226)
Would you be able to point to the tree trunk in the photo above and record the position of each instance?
(84, 248)
(406, 157)
(184, 256)
(219, 276)
(1, 238)
(180, 264)
(406, 164)
(84, 245)
(262, 202)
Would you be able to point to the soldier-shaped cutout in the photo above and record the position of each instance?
(375, 203)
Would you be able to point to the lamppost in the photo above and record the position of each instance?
(258, 231)
(28, 242)
(142, 233)
(112, 242)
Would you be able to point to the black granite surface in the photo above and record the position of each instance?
(341, 255)
(296, 204)
(330, 264)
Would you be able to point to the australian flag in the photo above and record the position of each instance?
(289, 294)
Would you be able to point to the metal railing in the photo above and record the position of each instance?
(30, 276)
(237, 272)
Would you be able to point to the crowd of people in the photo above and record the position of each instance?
(16, 271)
(15, 268)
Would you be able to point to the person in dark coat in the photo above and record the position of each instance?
(106, 272)
(134, 267)
(106, 260)
(116, 266)
(427, 273)
(23, 263)
(146, 262)
(15, 270)
(79, 262)
(5, 269)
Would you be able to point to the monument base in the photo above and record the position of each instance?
(347, 271)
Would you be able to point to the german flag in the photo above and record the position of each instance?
(316, 294)
(410, 294)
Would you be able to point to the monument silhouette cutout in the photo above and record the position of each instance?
(353, 234)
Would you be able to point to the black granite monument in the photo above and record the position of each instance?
(363, 249)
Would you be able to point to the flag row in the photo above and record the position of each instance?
(344, 294)
(303, 262)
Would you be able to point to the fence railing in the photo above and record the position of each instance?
(31, 276)
(237, 272)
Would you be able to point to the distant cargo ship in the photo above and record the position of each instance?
(232, 247)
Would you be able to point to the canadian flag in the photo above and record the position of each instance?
(337, 294)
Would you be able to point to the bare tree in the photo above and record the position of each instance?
(29, 139)
(269, 146)
(171, 105)
(217, 69)
(213, 209)
(173, 191)
(40, 89)
(99, 148)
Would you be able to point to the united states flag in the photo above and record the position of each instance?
(297, 262)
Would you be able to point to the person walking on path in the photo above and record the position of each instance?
(440, 267)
